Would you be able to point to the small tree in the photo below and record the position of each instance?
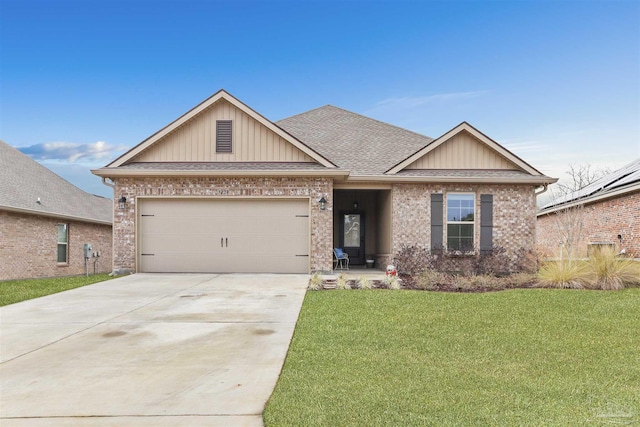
(569, 220)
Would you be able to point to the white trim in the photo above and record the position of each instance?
(464, 126)
(221, 94)
(446, 217)
(537, 180)
(66, 243)
(109, 172)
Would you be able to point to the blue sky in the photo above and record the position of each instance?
(556, 82)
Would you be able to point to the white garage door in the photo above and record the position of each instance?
(223, 235)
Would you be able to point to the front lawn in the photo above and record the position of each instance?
(521, 357)
(14, 291)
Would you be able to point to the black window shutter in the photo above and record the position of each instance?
(224, 136)
(486, 222)
(436, 221)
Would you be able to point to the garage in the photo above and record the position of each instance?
(180, 235)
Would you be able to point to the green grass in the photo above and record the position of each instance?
(14, 291)
(535, 357)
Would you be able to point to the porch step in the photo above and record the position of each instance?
(329, 282)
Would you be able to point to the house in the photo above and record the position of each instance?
(224, 189)
(606, 212)
(45, 222)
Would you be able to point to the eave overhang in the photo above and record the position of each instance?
(123, 172)
(536, 180)
(54, 215)
(592, 199)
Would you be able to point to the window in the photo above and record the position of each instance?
(460, 221)
(224, 136)
(63, 243)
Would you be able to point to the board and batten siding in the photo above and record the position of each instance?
(195, 141)
(462, 151)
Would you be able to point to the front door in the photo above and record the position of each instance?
(352, 236)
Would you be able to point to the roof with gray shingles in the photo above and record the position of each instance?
(23, 181)
(627, 176)
(357, 143)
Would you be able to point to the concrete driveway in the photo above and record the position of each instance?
(148, 350)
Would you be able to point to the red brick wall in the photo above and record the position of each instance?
(28, 246)
(514, 214)
(600, 222)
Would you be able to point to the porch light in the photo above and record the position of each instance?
(355, 206)
(323, 203)
(122, 203)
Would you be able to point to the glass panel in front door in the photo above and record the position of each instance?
(352, 230)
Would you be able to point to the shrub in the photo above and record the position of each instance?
(315, 282)
(520, 280)
(430, 280)
(610, 272)
(364, 283)
(526, 261)
(565, 273)
(413, 259)
(494, 261)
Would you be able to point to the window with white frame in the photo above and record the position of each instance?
(460, 221)
(63, 243)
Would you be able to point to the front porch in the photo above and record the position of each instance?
(362, 227)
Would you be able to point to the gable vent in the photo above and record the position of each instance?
(224, 136)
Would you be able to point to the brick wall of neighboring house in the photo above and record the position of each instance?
(28, 246)
(601, 222)
(321, 222)
(514, 214)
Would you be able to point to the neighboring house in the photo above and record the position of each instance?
(223, 189)
(45, 222)
(606, 212)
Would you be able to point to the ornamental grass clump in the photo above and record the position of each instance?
(611, 272)
(564, 273)
(315, 283)
(342, 282)
(364, 283)
(392, 282)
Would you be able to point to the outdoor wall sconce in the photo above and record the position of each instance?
(322, 203)
(355, 206)
(122, 203)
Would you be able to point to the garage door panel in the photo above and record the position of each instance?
(223, 235)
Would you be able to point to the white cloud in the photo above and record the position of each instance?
(70, 152)
(405, 103)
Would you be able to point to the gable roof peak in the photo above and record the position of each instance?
(481, 137)
(221, 94)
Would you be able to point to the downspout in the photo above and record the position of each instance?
(544, 189)
(104, 181)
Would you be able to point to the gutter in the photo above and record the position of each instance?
(110, 173)
(544, 190)
(450, 179)
(54, 215)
